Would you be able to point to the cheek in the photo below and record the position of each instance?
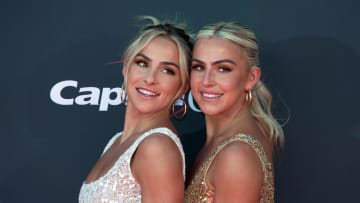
(192, 81)
(230, 84)
(194, 84)
(172, 86)
(195, 79)
(136, 73)
(132, 73)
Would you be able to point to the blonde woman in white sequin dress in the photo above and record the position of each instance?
(235, 164)
(145, 162)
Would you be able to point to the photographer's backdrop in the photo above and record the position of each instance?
(60, 104)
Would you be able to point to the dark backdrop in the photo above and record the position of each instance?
(309, 54)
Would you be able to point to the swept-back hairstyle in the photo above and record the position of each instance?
(173, 32)
(260, 107)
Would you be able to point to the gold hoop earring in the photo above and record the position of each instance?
(180, 112)
(123, 96)
(248, 96)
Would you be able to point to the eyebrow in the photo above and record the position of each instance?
(163, 62)
(215, 62)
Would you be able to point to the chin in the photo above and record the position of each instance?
(209, 111)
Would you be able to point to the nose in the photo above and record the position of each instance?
(150, 76)
(208, 78)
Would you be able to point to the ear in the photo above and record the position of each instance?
(253, 77)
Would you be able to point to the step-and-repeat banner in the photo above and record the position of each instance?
(60, 90)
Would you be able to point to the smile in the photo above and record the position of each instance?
(210, 95)
(146, 92)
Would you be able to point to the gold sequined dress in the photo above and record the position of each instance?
(198, 191)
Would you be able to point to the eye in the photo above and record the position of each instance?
(224, 69)
(168, 70)
(141, 63)
(197, 67)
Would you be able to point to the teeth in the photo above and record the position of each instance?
(211, 95)
(146, 92)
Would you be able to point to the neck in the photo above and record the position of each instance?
(224, 125)
(137, 122)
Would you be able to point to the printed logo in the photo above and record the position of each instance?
(102, 97)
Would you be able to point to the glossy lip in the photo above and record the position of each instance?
(146, 92)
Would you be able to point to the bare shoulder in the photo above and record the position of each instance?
(157, 166)
(236, 173)
(239, 157)
(158, 151)
(157, 143)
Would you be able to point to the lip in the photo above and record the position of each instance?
(210, 96)
(146, 92)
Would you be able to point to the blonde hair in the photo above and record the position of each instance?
(174, 33)
(260, 107)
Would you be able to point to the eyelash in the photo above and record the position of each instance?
(224, 69)
(197, 67)
(168, 71)
(141, 63)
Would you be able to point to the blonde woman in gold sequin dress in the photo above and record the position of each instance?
(145, 162)
(235, 163)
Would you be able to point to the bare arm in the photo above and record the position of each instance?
(157, 166)
(236, 174)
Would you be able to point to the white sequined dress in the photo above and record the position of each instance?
(118, 185)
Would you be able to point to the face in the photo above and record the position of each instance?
(154, 77)
(219, 76)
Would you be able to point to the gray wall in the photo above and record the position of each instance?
(310, 58)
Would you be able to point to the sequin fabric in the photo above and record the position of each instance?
(198, 190)
(118, 185)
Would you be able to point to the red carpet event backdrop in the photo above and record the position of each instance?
(60, 100)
